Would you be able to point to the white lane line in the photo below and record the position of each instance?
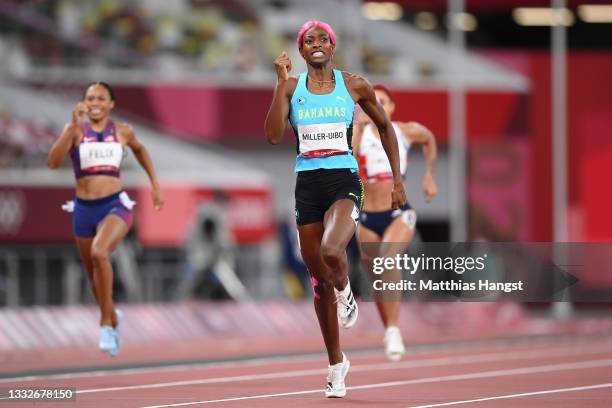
(524, 394)
(169, 368)
(456, 377)
(421, 349)
(252, 362)
(434, 362)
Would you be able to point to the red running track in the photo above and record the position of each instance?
(565, 371)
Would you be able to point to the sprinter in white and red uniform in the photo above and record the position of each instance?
(379, 221)
(319, 106)
(102, 211)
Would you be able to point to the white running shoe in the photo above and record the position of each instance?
(347, 306)
(394, 345)
(108, 339)
(115, 351)
(335, 378)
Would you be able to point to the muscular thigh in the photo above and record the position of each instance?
(398, 235)
(110, 232)
(369, 242)
(340, 223)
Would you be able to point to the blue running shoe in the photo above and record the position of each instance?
(108, 339)
(115, 351)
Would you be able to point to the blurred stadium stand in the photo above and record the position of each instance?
(221, 41)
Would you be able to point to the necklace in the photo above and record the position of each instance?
(322, 82)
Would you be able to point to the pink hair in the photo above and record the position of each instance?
(312, 24)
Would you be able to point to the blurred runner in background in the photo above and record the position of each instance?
(380, 222)
(101, 210)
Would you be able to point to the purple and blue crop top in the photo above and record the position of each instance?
(99, 153)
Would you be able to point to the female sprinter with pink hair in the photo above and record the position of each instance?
(319, 105)
(382, 228)
(102, 212)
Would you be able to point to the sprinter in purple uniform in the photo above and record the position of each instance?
(102, 212)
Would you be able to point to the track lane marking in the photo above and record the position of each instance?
(518, 344)
(455, 377)
(435, 362)
(524, 394)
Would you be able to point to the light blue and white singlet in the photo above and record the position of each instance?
(323, 126)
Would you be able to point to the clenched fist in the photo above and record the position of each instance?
(283, 66)
(78, 112)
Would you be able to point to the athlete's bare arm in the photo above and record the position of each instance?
(127, 134)
(278, 114)
(68, 138)
(356, 139)
(417, 133)
(360, 121)
(366, 98)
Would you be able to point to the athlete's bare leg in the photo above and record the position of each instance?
(324, 297)
(339, 229)
(395, 240)
(323, 251)
(84, 246)
(110, 233)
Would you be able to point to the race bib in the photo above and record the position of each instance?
(98, 154)
(324, 139)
